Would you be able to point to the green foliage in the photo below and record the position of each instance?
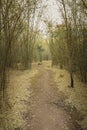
(41, 49)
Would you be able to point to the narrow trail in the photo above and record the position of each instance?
(45, 114)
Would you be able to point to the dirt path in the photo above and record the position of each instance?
(45, 114)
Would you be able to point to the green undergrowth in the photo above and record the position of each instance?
(17, 94)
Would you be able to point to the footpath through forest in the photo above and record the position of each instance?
(36, 101)
(45, 114)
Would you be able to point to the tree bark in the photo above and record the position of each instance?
(72, 80)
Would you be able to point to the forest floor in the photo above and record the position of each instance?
(40, 99)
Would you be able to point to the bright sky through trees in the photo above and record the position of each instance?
(51, 13)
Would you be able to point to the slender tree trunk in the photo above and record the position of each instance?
(72, 80)
(85, 78)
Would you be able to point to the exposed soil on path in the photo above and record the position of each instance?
(45, 115)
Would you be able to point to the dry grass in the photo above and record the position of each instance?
(76, 96)
(17, 93)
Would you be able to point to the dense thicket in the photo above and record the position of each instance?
(68, 41)
(18, 27)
